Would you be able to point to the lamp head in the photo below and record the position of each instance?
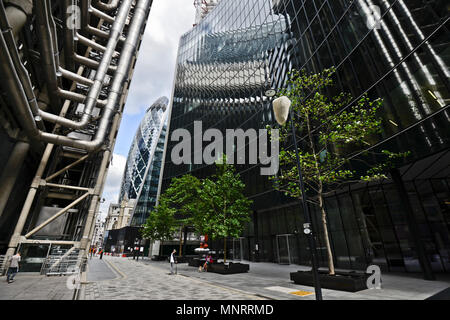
(281, 107)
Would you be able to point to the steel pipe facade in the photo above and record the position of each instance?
(105, 69)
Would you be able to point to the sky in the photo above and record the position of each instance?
(153, 78)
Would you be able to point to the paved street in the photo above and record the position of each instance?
(116, 278)
(145, 279)
(33, 286)
(141, 281)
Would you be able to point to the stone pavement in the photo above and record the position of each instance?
(138, 281)
(149, 280)
(272, 281)
(116, 278)
(33, 286)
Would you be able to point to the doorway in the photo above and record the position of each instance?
(284, 248)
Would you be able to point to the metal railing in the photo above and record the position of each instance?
(63, 262)
(2, 264)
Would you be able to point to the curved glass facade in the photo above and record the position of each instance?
(242, 48)
(147, 195)
(143, 148)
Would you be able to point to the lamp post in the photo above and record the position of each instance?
(282, 109)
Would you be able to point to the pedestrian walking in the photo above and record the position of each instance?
(172, 260)
(101, 253)
(13, 267)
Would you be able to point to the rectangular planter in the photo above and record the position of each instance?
(231, 268)
(196, 262)
(351, 282)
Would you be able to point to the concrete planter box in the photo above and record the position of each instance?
(230, 268)
(196, 262)
(342, 281)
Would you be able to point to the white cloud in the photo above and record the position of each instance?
(153, 75)
(155, 67)
(113, 182)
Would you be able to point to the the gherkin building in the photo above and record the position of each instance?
(142, 161)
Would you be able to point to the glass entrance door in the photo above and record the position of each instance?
(238, 249)
(283, 249)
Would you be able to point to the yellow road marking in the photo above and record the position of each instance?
(124, 276)
(301, 293)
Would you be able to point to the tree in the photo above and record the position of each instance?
(183, 197)
(224, 208)
(335, 135)
(161, 223)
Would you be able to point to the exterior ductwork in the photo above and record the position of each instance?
(98, 62)
(129, 48)
(107, 6)
(109, 52)
(123, 68)
(25, 100)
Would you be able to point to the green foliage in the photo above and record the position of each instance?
(161, 223)
(331, 131)
(183, 194)
(224, 208)
(175, 209)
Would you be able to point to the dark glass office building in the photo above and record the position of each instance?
(393, 49)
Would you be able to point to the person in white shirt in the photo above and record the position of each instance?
(172, 260)
(13, 267)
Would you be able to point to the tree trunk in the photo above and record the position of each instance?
(320, 196)
(225, 250)
(181, 241)
(327, 238)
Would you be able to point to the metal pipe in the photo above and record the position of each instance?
(64, 186)
(101, 15)
(107, 6)
(69, 45)
(91, 99)
(85, 8)
(129, 48)
(17, 19)
(20, 68)
(54, 35)
(46, 46)
(91, 63)
(123, 68)
(73, 96)
(75, 77)
(94, 45)
(13, 87)
(10, 172)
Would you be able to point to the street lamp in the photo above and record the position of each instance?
(282, 109)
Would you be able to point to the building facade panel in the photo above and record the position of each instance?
(242, 48)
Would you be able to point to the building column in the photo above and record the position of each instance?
(11, 171)
(413, 226)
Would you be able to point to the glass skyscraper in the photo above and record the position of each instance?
(382, 48)
(142, 169)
